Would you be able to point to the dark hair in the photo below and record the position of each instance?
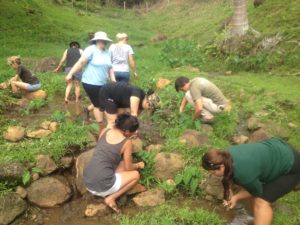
(74, 44)
(213, 159)
(180, 82)
(126, 122)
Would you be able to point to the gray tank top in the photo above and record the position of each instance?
(99, 174)
(73, 54)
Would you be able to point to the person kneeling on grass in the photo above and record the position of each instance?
(265, 170)
(24, 80)
(110, 172)
(207, 97)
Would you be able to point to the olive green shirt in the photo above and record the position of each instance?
(200, 87)
(260, 163)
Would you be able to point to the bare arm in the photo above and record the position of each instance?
(183, 104)
(80, 63)
(242, 194)
(127, 157)
(134, 105)
(62, 61)
(198, 109)
(132, 66)
(112, 75)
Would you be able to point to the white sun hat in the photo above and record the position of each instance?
(100, 35)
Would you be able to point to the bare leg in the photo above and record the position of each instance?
(77, 90)
(98, 114)
(129, 180)
(111, 118)
(17, 85)
(263, 212)
(68, 90)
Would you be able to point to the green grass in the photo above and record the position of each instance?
(172, 215)
(35, 29)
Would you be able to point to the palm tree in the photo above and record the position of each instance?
(239, 21)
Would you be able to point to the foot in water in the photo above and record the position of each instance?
(112, 204)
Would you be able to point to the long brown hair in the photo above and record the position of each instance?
(213, 159)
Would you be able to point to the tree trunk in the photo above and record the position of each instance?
(239, 24)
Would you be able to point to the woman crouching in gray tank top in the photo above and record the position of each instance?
(110, 172)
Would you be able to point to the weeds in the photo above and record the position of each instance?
(170, 215)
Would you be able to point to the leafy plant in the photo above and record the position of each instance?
(26, 177)
(35, 105)
(148, 178)
(189, 180)
(58, 116)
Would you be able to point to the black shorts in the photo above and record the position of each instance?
(107, 104)
(283, 184)
(93, 93)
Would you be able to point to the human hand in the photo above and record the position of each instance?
(68, 78)
(141, 165)
(56, 70)
(231, 203)
(135, 75)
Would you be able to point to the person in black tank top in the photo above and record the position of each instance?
(71, 56)
(23, 80)
(111, 172)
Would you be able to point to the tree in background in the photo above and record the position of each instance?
(239, 23)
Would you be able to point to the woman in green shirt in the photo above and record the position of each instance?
(265, 170)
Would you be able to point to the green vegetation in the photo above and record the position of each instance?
(171, 215)
(267, 91)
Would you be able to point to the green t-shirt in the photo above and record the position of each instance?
(259, 163)
(200, 87)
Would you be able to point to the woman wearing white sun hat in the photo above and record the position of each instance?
(98, 69)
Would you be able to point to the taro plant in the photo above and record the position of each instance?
(35, 105)
(189, 179)
(147, 173)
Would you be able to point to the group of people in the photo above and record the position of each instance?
(265, 170)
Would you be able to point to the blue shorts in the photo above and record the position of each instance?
(76, 76)
(122, 76)
(33, 87)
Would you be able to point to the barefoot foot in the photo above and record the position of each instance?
(112, 204)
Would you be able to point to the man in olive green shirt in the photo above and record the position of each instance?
(207, 97)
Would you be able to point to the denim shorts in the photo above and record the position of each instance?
(122, 76)
(33, 87)
(76, 76)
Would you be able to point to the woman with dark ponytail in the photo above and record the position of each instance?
(111, 172)
(265, 170)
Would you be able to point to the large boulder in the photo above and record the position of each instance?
(40, 133)
(49, 191)
(253, 124)
(259, 135)
(137, 144)
(39, 94)
(167, 165)
(11, 207)
(154, 148)
(212, 186)
(193, 138)
(81, 162)
(240, 139)
(12, 171)
(138, 188)
(46, 164)
(14, 133)
(151, 197)
(161, 83)
(46, 64)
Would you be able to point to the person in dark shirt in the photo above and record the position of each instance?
(115, 98)
(24, 79)
(71, 56)
(111, 172)
(265, 170)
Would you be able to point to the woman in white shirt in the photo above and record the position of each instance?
(122, 58)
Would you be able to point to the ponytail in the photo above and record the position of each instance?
(212, 160)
